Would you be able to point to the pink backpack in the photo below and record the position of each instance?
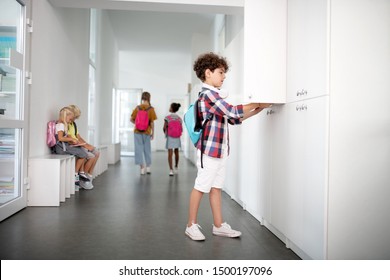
(51, 134)
(142, 119)
(175, 128)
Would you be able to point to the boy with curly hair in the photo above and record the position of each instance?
(210, 69)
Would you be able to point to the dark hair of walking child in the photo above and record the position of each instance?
(173, 127)
(210, 68)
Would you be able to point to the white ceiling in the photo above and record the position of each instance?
(164, 25)
(139, 30)
(186, 6)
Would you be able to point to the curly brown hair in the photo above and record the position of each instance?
(209, 61)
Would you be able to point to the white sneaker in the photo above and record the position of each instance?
(148, 170)
(142, 170)
(194, 232)
(86, 185)
(226, 230)
(171, 172)
(83, 177)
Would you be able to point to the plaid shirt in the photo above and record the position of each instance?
(216, 133)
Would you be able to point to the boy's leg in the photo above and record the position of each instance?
(88, 165)
(220, 228)
(193, 229)
(79, 164)
(195, 198)
(97, 154)
(216, 206)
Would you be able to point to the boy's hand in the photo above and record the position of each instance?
(265, 105)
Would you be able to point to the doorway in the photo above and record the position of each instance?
(125, 100)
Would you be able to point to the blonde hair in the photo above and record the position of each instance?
(64, 112)
(76, 111)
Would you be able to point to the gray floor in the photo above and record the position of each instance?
(129, 216)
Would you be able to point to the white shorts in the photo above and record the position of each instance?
(212, 175)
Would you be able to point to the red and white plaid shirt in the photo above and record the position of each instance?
(216, 133)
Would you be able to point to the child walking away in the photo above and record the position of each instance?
(68, 145)
(143, 116)
(210, 69)
(173, 128)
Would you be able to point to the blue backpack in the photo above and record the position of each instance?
(194, 125)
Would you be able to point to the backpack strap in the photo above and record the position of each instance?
(203, 125)
(147, 109)
(75, 128)
(202, 147)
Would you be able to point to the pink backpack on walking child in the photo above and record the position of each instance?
(142, 119)
(175, 128)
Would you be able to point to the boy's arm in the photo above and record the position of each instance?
(252, 109)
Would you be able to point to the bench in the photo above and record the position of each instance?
(102, 163)
(114, 152)
(51, 179)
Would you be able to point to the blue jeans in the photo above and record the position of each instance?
(143, 149)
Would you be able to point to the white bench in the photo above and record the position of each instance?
(51, 179)
(114, 152)
(102, 163)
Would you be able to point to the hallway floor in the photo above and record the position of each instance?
(129, 216)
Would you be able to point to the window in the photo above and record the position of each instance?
(13, 125)
(92, 80)
(124, 101)
(11, 60)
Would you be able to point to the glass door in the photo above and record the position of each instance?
(13, 125)
(124, 102)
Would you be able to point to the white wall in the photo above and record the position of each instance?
(359, 185)
(59, 66)
(234, 84)
(200, 43)
(160, 73)
(60, 51)
(106, 78)
(60, 61)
